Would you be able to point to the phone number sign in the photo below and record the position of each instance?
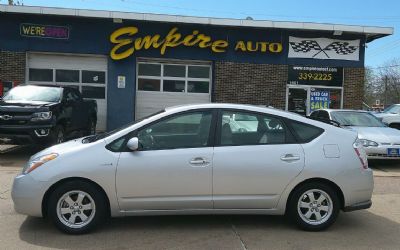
(313, 75)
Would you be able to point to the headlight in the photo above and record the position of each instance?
(368, 143)
(37, 162)
(41, 116)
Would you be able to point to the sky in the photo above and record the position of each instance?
(384, 13)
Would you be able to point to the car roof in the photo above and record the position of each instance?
(344, 110)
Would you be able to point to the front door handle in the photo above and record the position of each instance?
(290, 158)
(198, 162)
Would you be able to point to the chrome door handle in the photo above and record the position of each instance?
(198, 161)
(290, 157)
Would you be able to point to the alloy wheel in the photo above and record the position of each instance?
(315, 207)
(76, 209)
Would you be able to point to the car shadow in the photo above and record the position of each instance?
(357, 230)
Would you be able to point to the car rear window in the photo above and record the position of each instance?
(305, 132)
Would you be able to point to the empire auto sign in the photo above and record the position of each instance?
(127, 40)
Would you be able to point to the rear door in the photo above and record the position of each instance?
(255, 159)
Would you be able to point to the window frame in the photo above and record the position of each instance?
(186, 78)
(134, 133)
(289, 137)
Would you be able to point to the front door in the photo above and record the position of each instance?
(173, 167)
(297, 100)
(254, 162)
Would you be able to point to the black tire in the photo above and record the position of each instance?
(91, 129)
(58, 135)
(298, 212)
(96, 215)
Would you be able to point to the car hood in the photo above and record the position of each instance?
(66, 147)
(17, 106)
(382, 114)
(378, 134)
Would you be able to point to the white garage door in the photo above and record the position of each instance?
(164, 84)
(86, 73)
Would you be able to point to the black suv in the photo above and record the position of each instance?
(31, 114)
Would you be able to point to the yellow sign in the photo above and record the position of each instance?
(126, 43)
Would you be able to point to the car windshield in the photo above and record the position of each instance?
(354, 118)
(395, 109)
(33, 93)
(96, 137)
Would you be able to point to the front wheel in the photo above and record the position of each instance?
(58, 135)
(77, 207)
(314, 206)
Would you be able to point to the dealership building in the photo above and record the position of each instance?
(134, 64)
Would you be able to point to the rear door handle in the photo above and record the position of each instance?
(290, 157)
(199, 162)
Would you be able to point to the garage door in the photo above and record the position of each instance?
(86, 73)
(164, 84)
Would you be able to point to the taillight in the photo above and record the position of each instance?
(361, 154)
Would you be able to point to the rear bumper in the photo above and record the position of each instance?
(358, 206)
(19, 135)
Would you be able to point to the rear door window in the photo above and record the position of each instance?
(305, 132)
(239, 128)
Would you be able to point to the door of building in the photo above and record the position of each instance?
(305, 99)
(86, 73)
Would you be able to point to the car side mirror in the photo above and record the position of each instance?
(133, 144)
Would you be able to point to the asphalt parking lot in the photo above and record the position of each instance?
(376, 228)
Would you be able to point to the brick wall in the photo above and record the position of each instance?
(265, 84)
(12, 66)
(258, 84)
(353, 91)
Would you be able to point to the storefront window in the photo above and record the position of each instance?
(89, 76)
(93, 92)
(174, 70)
(41, 75)
(63, 75)
(198, 87)
(175, 78)
(149, 84)
(149, 69)
(174, 86)
(199, 72)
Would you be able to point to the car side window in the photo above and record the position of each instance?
(305, 132)
(71, 96)
(242, 128)
(188, 130)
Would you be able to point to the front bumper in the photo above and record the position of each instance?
(27, 195)
(19, 135)
(381, 152)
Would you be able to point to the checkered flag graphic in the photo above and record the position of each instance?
(305, 46)
(341, 48)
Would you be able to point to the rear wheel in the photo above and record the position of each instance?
(77, 207)
(58, 135)
(314, 206)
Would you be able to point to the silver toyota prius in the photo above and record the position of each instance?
(200, 159)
